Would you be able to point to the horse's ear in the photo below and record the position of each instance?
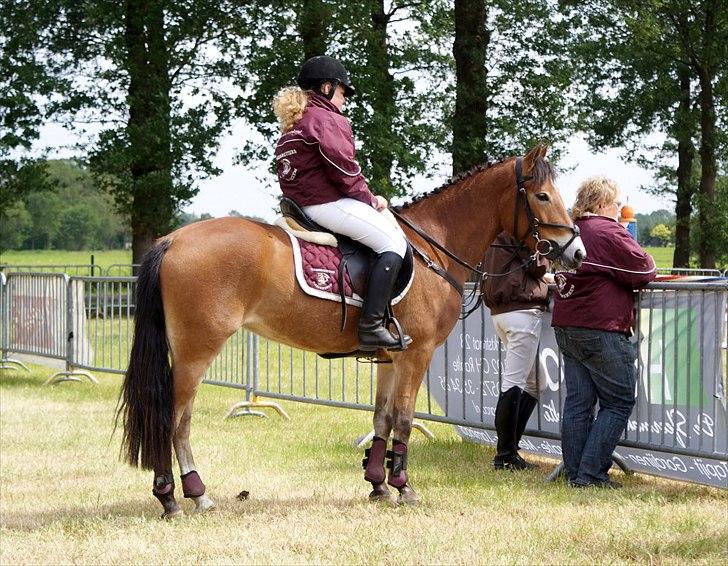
(537, 152)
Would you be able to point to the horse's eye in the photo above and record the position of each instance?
(543, 197)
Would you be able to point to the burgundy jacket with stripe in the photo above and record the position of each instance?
(315, 160)
(600, 294)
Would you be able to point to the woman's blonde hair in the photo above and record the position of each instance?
(592, 193)
(289, 105)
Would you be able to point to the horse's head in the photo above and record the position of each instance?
(539, 217)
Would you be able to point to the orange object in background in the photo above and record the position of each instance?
(626, 214)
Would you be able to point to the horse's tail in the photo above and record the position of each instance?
(146, 397)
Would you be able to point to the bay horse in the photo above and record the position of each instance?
(198, 285)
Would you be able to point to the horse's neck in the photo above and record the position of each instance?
(465, 217)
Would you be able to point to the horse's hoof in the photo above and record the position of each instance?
(380, 492)
(203, 504)
(408, 496)
(174, 514)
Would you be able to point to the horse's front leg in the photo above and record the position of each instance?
(192, 486)
(410, 371)
(374, 456)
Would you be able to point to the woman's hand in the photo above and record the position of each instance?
(381, 203)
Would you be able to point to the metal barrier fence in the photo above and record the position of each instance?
(678, 427)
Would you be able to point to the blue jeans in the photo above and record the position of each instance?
(598, 365)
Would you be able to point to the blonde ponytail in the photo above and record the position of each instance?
(592, 193)
(289, 105)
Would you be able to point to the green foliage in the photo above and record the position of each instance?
(76, 215)
(400, 61)
(646, 224)
(157, 76)
(662, 233)
(657, 67)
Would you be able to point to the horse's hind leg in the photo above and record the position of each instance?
(187, 378)
(192, 486)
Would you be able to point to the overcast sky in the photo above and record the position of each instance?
(238, 189)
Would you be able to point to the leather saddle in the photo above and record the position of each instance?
(356, 258)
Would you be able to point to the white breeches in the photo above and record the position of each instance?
(360, 222)
(520, 332)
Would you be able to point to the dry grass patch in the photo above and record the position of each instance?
(65, 497)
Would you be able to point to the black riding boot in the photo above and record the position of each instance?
(506, 425)
(372, 333)
(525, 407)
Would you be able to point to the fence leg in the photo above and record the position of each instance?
(243, 409)
(73, 375)
(557, 472)
(617, 459)
(11, 361)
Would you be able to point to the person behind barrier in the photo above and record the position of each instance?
(317, 169)
(517, 301)
(593, 320)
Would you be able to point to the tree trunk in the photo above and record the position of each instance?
(148, 127)
(312, 21)
(685, 155)
(469, 125)
(383, 102)
(706, 212)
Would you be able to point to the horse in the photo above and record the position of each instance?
(201, 283)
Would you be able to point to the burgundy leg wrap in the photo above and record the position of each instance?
(192, 485)
(374, 461)
(163, 489)
(397, 465)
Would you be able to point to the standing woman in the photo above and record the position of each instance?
(318, 171)
(594, 318)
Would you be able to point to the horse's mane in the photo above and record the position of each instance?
(541, 172)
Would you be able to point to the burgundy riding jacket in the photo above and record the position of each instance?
(315, 160)
(600, 294)
(511, 286)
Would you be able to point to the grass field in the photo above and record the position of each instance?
(65, 498)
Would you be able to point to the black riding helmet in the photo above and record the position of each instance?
(324, 69)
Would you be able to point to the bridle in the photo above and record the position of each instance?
(545, 248)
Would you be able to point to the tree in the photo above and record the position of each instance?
(398, 121)
(639, 65)
(23, 80)
(75, 215)
(661, 233)
(156, 75)
(469, 120)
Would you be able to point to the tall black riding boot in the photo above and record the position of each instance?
(525, 407)
(372, 333)
(506, 425)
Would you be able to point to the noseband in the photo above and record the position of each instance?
(547, 248)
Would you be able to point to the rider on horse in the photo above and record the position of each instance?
(318, 171)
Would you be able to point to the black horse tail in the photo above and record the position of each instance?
(147, 408)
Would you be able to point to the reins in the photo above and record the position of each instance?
(555, 251)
